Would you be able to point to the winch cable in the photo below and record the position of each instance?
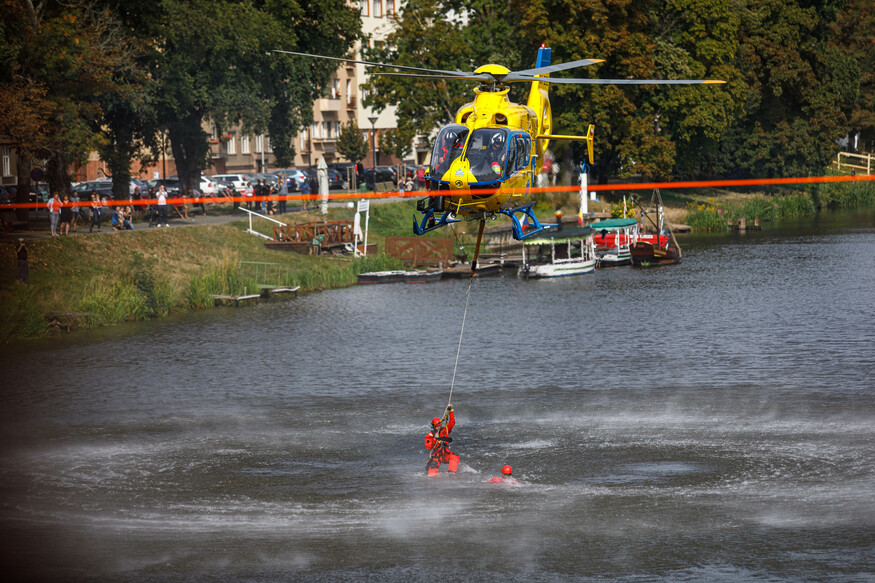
(465, 313)
(462, 332)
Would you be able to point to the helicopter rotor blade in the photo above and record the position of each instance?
(566, 81)
(374, 64)
(554, 68)
(469, 77)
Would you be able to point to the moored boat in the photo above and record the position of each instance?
(645, 253)
(612, 240)
(559, 253)
(657, 248)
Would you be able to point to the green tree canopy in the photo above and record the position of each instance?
(58, 59)
(216, 64)
(792, 70)
(351, 144)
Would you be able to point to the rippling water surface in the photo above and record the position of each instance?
(710, 421)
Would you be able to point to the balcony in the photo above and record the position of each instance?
(329, 104)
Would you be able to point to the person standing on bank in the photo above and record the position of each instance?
(162, 206)
(96, 212)
(54, 206)
(66, 216)
(284, 192)
(21, 252)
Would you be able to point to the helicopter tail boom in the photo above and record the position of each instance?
(590, 133)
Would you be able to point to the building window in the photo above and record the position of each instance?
(348, 91)
(259, 143)
(232, 145)
(303, 143)
(7, 165)
(244, 145)
(337, 129)
(390, 7)
(378, 9)
(269, 144)
(365, 5)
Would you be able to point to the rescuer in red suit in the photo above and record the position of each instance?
(437, 442)
(506, 477)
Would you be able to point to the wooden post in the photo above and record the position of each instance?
(741, 224)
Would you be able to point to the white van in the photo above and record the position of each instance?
(242, 182)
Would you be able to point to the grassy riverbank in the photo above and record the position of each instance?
(703, 208)
(150, 273)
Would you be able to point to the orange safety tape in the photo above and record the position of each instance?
(316, 198)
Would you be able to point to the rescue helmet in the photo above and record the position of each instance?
(436, 421)
(497, 139)
(507, 470)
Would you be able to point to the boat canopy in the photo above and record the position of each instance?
(613, 224)
(559, 236)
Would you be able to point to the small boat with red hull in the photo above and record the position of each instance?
(655, 248)
(645, 253)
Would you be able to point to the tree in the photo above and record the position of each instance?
(58, 57)
(351, 144)
(440, 34)
(397, 142)
(129, 116)
(641, 129)
(852, 36)
(216, 64)
(799, 91)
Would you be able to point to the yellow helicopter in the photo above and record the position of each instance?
(486, 162)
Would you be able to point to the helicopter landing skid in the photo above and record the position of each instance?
(430, 224)
(518, 227)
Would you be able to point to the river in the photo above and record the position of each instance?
(709, 421)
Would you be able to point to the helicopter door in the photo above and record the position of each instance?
(448, 146)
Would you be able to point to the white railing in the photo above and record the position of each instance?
(867, 157)
(254, 232)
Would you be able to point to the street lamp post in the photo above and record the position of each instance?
(373, 120)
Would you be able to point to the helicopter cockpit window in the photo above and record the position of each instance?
(449, 145)
(487, 154)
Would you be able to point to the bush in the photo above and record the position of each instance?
(702, 218)
(835, 195)
(21, 316)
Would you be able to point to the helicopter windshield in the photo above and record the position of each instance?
(448, 146)
(487, 154)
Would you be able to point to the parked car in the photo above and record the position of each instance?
(225, 188)
(383, 175)
(7, 194)
(294, 178)
(393, 170)
(335, 180)
(242, 182)
(38, 193)
(102, 187)
(171, 185)
(270, 179)
(206, 185)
